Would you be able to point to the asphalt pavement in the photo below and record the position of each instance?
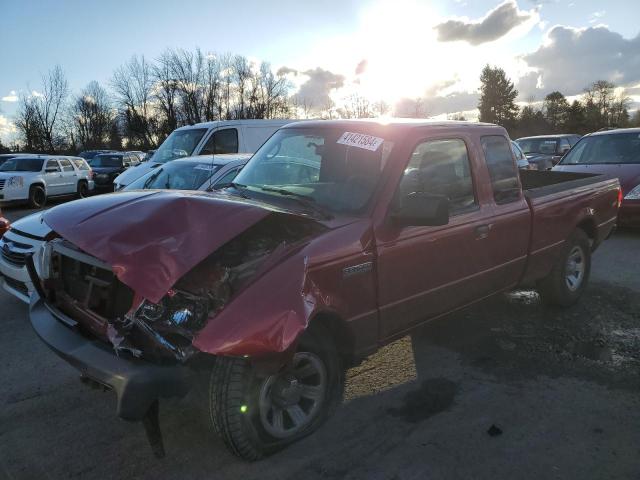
(506, 389)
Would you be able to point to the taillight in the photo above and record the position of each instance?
(91, 174)
(620, 197)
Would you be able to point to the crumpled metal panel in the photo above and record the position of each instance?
(152, 238)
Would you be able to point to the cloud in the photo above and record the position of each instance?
(595, 16)
(7, 130)
(316, 90)
(12, 97)
(362, 67)
(282, 71)
(571, 59)
(495, 24)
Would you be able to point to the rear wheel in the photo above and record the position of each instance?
(83, 190)
(570, 275)
(258, 416)
(37, 196)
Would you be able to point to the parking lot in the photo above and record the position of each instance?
(505, 389)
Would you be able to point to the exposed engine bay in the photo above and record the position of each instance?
(164, 331)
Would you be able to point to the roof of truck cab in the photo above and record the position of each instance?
(231, 123)
(400, 123)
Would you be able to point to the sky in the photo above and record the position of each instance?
(383, 49)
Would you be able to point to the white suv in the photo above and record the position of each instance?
(35, 178)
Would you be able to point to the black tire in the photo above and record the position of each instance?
(557, 288)
(234, 395)
(82, 190)
(37, 196)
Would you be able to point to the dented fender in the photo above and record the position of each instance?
(255, 324)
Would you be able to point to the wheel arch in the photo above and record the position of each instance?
(340, 332)
(588, 226)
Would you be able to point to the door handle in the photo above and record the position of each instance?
(482, 231)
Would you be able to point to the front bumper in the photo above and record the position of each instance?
(137, 383)
(14, 194)
(14, 278)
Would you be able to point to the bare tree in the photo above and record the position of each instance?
(28, 126)
(133, 83)
(166, 95)
(48, 106)
(92, 117)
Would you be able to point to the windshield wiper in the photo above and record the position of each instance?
(305, 200)
(151, 179)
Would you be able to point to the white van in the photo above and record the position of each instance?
(209, 138)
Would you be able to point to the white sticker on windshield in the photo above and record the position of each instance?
(360, 141)
(208, 168)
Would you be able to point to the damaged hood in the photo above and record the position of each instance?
(152, 238)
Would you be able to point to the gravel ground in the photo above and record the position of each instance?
(506, 389)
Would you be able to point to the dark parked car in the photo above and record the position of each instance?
(267, 290)
(89, 154)
(521, 158)
(545, 151)
(107, 166)
(615, 153)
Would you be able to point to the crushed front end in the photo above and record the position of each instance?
(143, 350)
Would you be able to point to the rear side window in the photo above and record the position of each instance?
(80, 164)
(222, 141)
(502, 169)
(66, 166)
(441, 167)
(52, 165)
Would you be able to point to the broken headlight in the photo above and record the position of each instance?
(178, 310)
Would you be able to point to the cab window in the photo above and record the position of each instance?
(441, 167)
(502, 169)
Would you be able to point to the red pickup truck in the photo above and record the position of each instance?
(336, 238)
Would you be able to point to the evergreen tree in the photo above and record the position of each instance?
(575, 121)
(497, 98)
(555, 111)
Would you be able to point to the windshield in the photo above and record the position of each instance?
(22, 165)
(176, 176)
(603, 149)
(181, 143)
(335, 169)
(106, 161)
(545, 146)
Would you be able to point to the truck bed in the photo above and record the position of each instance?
(560, 201)
(540, 183)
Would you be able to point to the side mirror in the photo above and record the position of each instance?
(51, 170)
(421, 209)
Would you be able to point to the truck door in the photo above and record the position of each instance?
(53, 177)
(424, 271)
(508, 238)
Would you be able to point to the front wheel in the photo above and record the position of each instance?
(37, 196)
(568, 278)
(257, 416)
